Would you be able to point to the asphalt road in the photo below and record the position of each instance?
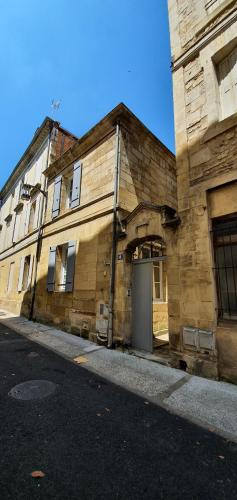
(94, 440)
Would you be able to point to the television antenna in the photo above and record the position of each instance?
(55, 105)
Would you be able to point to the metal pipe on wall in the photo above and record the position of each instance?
(42, 212)
(114, 237)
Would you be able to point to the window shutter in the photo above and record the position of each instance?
(233, 65)
(76, 185)
(36, 216)
(225, 87)
(71, 256)
(26, 218)
(56, 196)
(21, 271)
(15, 229)
(30, 271)
(51, 269)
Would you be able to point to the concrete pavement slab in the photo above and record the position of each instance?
(214, 403)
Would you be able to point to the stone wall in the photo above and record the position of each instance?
(12, 300)
(97, 179)
(160, 316)
(148, 171)
(77, 311)
(206, 148)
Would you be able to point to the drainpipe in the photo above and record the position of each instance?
(40, 231)
(114, 237)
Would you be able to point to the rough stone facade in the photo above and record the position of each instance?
(203, 35)
(146, 174)
(18, 228)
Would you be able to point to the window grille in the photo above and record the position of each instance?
(225, 254)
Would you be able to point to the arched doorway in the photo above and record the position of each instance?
(149, 294)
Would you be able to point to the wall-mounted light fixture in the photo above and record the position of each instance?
(27, 191)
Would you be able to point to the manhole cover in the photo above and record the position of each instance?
(33, 389)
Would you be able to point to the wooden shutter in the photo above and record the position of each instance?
(36, 216)
(76, 185)
(233, 65)
(51, 269)
(30, 271)
(71, 256)
(26, 210)
(21, 272)
(56, 196)
(225, 88)
(15, 229)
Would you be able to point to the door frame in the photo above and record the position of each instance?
(140, 262)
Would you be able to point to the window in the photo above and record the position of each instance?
(159, 281)
(148, 250)
(25, 273)
(8, 234)
(10, 277)
(225, 253)
(155, 250)
(227, 76)
(67, 190)
(18, 229)
(61, 267)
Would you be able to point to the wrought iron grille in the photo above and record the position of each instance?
(225, 254)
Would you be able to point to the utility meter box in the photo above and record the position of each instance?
(190, 337)
(206, 340)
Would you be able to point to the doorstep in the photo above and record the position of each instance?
(150, 357)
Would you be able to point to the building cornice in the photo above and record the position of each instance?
(206, 33)
(98, 133)
(36, 143)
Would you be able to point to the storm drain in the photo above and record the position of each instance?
(33, 389)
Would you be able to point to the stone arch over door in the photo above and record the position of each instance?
(145, 223)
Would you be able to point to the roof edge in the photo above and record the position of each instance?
(47, 122)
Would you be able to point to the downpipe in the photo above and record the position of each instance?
(114, 238)
(40, 231)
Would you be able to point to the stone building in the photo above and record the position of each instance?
(109, 225)
(203, 292)
(21, 215)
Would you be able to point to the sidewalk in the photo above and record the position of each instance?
(208, 403)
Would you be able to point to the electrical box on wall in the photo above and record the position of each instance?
(197, 339)
(206, 340)
(190, 336)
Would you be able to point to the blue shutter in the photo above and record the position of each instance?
(71, 256)
(76, 185)
(51, 269)
(56, 196)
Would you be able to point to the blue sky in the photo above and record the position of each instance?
(91, 54)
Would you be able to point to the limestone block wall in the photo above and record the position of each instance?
(31, 175)
(149, 222)
(10, 298)
(160, 316)
(77, 311)
(206, 147)
(97, 178)
(85, 309)
(191, 20)
(148, 170)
